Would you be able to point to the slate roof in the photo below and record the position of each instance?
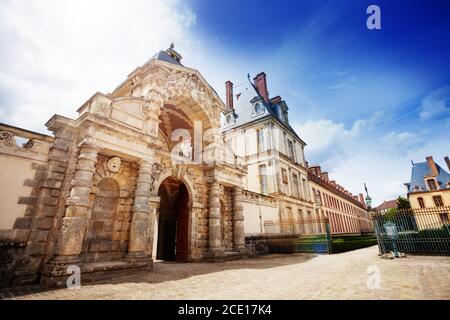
(421, 170)
(387, 205)
(244, 97)
(164, 56)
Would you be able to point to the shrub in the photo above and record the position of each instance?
(341, 245)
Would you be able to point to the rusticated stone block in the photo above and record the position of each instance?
(55, 193)
(47, 211)
(94, 247)
(28, 200)
(115, 246)
(107, 225)
(54, 176)
(57, 168)
(52, 184)
(58, 155)
(36, 248)
(106, 246)
(45, 223)
(98, 225)
(47, 200)
(22, 223)
(38, 235)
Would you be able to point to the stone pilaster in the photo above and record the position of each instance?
(139, 229)
(153, 212)
(75, 219)
(215, 237)
(238, 220)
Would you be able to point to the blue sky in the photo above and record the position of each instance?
(366, 102)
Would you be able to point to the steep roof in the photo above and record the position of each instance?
(387, 205)
(421, 170)
(244, 98)
(164, 56)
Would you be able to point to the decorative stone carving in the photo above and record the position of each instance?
(114, 164)
(7, 138)
(156, 171)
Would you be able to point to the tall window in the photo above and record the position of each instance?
(261, 142)
(438, 201)
(305, 189)
(431, 184)
(263, 179)
(295, 185)
(290, 149)
(421, 202)
(284, 176)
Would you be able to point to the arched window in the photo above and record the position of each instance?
(257, 108)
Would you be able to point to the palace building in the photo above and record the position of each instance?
(281, 194)
(429, 193)
(159, 169)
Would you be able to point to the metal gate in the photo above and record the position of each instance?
(414, 231)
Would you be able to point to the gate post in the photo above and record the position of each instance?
(328, 235)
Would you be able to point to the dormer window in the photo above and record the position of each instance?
(285, 116)
(258, 108)
(431, 184)
(229, 118)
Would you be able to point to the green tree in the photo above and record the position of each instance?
(403, 203)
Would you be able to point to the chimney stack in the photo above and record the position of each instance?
(316, 170)
(447, 161)
(261, 84)
(325, 176)
(229, 93)
(432, 166)
(361, 198)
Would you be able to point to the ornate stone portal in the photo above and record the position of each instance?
(102, 189)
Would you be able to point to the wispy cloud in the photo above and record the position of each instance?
(436, 105)
(55, 54)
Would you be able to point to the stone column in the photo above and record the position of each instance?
(238, 220)
(215, 238)
(139, 228)
(75, 219)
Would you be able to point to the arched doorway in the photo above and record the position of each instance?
(173, 224)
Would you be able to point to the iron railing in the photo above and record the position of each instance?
(415, 231)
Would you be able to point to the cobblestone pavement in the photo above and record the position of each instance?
(300, 276)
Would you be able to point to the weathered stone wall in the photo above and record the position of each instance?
(226, 215)
(110, 212)
(32, 239)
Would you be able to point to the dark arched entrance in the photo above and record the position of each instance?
(173, 225)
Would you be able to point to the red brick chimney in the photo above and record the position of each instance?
(361, 198)
(432, 166)
(261, 84)
(315, 170)
(447, 161)
(275, 100)
(325, 176)
(229, 94)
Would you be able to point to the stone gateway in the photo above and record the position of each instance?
(108, 194)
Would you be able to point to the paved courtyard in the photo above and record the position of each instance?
(340, 276)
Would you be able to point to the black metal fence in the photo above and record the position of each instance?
(306, 236)
(414, 231)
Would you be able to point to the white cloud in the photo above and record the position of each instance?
(400, 142)
(436, 105)
(55, 54)
(330, 143)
